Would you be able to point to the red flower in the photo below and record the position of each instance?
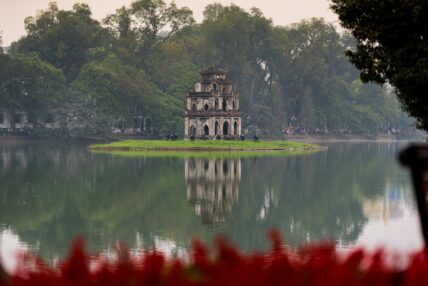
(309, 265)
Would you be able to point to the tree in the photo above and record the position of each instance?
(143, 63)
(64, 38)
(122, 27)
(80, 116)
(391, 47)
(32, 86)
(8, 101)
(240, 42)
(155, 22)
(122, 92)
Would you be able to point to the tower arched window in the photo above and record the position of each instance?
(206, 106)
(226, 128)
(224, 105)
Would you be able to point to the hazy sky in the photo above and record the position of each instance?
(282, 12)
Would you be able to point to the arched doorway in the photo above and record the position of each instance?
(206, 130)
(224, 105)
(226, 128)
(192, 130)
(235, 128)
(216, 128)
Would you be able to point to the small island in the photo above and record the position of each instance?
(205, 145)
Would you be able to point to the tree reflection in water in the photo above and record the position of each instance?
(212, 187)
(51, 193)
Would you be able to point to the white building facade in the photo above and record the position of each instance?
(9, 122)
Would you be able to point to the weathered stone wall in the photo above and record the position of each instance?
(212, 108)
(223, 126)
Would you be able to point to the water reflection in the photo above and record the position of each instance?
(212, 187)
(390, 206)
(392, 220)
(351, 194)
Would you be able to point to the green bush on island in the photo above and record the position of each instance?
(204, 145)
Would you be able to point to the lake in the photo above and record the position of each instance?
(354, 194)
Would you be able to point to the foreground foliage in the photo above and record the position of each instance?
(391, 47)
(311, 265)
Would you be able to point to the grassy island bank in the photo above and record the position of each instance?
(205, 145)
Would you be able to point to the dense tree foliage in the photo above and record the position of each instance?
(135, 69)
(65, 39)
(391, 47)
(32, 86)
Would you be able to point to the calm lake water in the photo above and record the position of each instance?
(354, 194)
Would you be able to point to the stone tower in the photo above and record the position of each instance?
(212, 108)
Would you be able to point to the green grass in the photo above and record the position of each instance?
(205, 154)
(205, 146)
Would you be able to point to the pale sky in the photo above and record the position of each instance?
(282, 12)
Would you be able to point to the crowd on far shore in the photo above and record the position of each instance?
(297, 130)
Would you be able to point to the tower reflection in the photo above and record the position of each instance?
(212, 187)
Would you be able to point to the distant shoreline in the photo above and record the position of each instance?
(350, 138)
(299, 138)
(29, 139)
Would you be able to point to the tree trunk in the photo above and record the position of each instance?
(250, 102)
